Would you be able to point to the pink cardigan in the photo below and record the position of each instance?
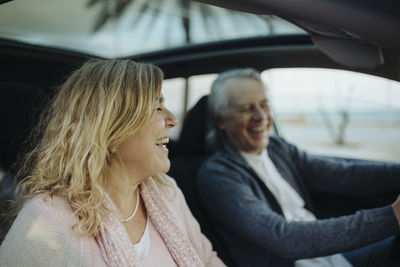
(42, 234)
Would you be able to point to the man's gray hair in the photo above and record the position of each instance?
(217, 101)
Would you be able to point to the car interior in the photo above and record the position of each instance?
(360, 36)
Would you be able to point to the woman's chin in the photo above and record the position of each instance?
(164, 167)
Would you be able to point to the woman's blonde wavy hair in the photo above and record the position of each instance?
(96, 109)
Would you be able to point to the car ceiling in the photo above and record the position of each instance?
(352, 35)
(367, 30)
(368, 21)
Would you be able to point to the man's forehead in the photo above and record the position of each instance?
(247, 101)
(244, 91)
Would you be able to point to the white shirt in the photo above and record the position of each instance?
(142, 248)
(291, 203)
(151, 250)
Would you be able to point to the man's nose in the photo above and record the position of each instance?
(259, 114)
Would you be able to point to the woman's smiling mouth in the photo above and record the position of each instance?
(162, 143)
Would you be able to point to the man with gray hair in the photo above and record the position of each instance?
(256, 190)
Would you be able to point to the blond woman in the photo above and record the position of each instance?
(94, 191)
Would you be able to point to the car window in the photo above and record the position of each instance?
(336, 112)
(174, 93)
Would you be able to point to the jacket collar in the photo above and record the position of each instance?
(275, 154)
(233, 155)
(280, 161)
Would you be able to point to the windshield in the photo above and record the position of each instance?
(123, 28)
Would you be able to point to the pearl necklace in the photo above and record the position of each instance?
(135, 210)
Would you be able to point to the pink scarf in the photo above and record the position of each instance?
(118, 250)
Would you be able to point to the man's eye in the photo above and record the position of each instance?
(245, 109)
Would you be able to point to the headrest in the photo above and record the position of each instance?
(192, 140)
(20, 107)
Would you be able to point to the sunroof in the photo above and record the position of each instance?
(97, 28)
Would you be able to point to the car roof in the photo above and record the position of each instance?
(367, 21)
(360, 36)
(126, 28)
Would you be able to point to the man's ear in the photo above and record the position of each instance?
(220, 124)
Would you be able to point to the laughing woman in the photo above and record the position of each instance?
(94, 192)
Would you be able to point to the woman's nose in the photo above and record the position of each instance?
(170, 119)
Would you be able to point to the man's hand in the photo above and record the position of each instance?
(396, 209)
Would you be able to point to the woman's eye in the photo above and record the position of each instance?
(159, 109)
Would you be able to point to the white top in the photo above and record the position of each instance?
(142, 248)
(291, 203)
(151, 250)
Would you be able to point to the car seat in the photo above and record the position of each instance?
(19, 109)
(20, 106)
(189, 152)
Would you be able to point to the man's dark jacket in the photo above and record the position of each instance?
(249, 220)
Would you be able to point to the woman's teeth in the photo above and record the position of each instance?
(162, 141)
